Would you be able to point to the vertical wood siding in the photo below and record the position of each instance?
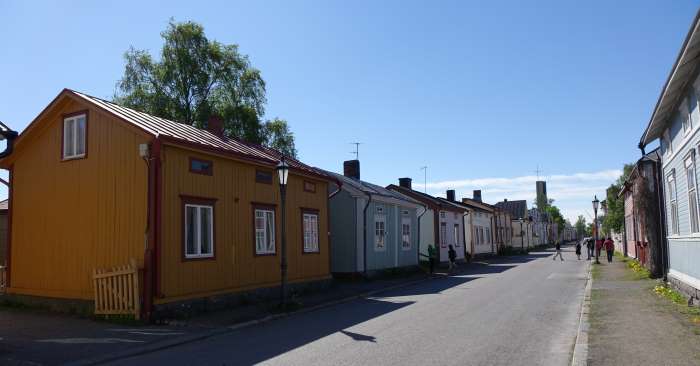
(235, 266)
(70, 217)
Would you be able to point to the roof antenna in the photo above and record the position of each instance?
(357, 150)
(425, 178)
(538, 171)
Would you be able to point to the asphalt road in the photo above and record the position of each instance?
(514, 311)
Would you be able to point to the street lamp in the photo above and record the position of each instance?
(595, 227)
(283, 173)
(522, 239)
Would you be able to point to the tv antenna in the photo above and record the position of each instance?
(357, 150)
(538, 171)
(425, 178)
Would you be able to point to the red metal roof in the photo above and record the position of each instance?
(184, 133)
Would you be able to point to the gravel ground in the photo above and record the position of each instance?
(630, 325)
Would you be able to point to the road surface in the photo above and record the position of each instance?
(514, 311)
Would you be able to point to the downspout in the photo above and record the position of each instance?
(464, 227)
(425, 209)
(328, 225)
(663, 241)
(364, 230)
(151, 256)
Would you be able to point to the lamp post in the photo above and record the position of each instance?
(595, 227)
(283, 173)
(522, 239)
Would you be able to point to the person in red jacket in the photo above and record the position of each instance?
(598, 248)
(609, 248)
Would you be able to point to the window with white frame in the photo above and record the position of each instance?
(476, 236)
(455, 233)
(199, 231)
(74, 136)
(310, 226)
(666, 137)
(481, 235)
(264, 231)
(692, 192)
(684, 113)
(379, 232)
(673, 222)
(443, 234)
(488, 236)
(406, 233)
(442, 214)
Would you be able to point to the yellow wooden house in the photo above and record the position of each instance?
(94, 184)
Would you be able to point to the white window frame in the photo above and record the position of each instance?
(443, 214)
(379, 232)
(672, 193)
(443, 234)
(667, 141)
(406, 234)
(269, 246)
(197, 231)
(686, 121)
(71, 141)
(455, 233)
(310, 228)
(691, 179)
(488, 236)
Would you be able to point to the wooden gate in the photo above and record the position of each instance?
(117, 290)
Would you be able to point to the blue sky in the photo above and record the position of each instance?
(480, 92)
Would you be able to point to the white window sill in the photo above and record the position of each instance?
(202, 256)
(73, 157)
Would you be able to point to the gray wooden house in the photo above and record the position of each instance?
(372, 228)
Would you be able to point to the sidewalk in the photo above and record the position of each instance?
(631, 325)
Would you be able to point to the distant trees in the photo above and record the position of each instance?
(197, 77)
(555, 215)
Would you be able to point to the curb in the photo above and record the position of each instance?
(150, 348)
(580, 354)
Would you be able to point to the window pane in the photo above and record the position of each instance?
(190, 222)
(205, 230)
(270, 230)
(68, 138)
(80, 136)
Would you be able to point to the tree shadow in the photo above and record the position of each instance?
(359, 337)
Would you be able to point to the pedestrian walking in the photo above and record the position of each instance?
(557, 246)
(578, 250)
(431, 258)
(610, 248)
(598, 248)
(452, 255)
(589, 247)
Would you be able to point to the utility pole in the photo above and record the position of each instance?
(425, 178)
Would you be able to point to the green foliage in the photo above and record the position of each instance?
(197, 77)
(640, 271)
(671, 294)
(555, 215)
(615, 218)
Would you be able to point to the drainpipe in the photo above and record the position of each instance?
(663, 241)
(364, 230)
(464, 230)
(425, 209)
(328, 220)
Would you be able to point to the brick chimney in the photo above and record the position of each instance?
(451, 195)
(215, 125)
(405, 183)
(351, 169)
(476, 196)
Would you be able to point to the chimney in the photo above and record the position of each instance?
(405, 183)
(451, 195)
(505, 200)
(215, 125)
(477, 195)
(351, 169)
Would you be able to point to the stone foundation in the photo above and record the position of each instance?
(684, 288)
